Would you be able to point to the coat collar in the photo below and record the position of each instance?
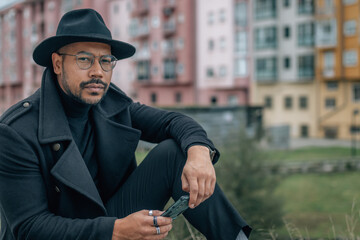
(53, 124)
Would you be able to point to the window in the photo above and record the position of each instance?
(222, 15)
(222, 43)
(211, 44)
(266, 69)
(306, 34)
(155, 21)
(288, 102)
(330, 103)
(153, 97)
(266, 38)
(350, 27)
(210, 18)
(169, 68)
(268, 102)
(286, 3)
(178, 97)
(286, 32)
(331, 132)
(213, 100)
(303, 102)
(350, 58)
(349, 2)
(241, 13)
(306, 6)
(356, 92)
(241, 42)
(222, 71)
(210, 72)
(240, 67)
(287, 62)
(326, 32)
(265, 9)
(116, 9)
(143, 70)
(306, 66)
(332, 86)
(304, 131)
(232, 100)
(329, 64)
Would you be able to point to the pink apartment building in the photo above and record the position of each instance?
(191, 52)
(23, 24)
(188, 52)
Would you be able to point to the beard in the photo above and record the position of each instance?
(77, 94)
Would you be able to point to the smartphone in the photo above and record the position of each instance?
(177, 208)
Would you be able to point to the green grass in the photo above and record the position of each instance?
(311, 200)
(308, 154)
(314, 204)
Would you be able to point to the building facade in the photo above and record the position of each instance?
(284, 64)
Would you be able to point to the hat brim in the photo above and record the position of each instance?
(42, 53)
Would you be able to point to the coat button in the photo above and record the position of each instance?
(57, 189)
(56, 147)
(26, 104)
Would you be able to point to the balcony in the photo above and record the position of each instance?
(266, 77)
(169, 27)
(142, 54)
(326, 32)
(327, 9)
(141, 8)
(328, 73)
(169, 7)
(169, 50)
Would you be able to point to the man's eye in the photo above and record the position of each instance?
(84, 59)
(106, 60)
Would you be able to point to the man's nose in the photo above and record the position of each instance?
(96, 69)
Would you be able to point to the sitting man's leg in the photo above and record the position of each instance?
(158, 178)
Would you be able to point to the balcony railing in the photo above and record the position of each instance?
(169, 26)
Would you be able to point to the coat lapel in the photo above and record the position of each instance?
(70, 169)
(116, 145)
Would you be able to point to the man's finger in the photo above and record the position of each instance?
(158, 221)
(201, 192)
(194, 188)
(185, 183)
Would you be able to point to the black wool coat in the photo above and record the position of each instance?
(46, 191)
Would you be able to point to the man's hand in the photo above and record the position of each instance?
(140, 225)
(198, 177)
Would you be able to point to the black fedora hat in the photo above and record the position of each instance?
(83, 25)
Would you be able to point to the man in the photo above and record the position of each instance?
(67, 165)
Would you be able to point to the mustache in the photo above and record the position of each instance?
(93, 80)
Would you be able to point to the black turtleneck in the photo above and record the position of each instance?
(80, 122)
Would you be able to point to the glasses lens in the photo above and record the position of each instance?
(84, 61)
(108, 62)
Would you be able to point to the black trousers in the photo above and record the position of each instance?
(158, 178)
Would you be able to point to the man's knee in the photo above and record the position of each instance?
(168, 149)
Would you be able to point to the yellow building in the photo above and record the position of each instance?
(338, 68)
(284, 65)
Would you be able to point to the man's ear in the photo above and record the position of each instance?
(56, 62)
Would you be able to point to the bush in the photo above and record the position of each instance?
(247, 184)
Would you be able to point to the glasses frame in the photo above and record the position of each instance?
(113, 63)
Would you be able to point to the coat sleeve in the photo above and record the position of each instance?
(23, 199)
(157, 125)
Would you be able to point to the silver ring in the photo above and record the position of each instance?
(155, 221)
(157, 230)
(150, 212)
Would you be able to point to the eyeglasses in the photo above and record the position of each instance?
(86, 60)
